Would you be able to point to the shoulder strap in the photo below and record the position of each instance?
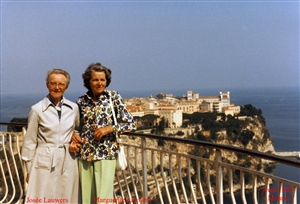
(114, 116)
(112, 109)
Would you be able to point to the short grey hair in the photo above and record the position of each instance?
(58, 71)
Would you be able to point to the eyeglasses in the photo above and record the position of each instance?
(54, 84)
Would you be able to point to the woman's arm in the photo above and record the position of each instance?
(30, 140)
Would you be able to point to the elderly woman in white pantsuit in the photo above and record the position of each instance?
(52, 170)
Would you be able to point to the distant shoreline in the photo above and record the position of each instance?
(178, 92)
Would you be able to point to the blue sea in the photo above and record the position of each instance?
(280, 108)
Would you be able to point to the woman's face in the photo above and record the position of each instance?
(57, 85)
(98, 82)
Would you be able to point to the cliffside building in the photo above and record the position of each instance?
(172, 108)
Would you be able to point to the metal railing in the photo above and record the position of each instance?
(12, 183)
(167, 174)
(165, 169)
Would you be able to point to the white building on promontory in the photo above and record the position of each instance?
(172, 108)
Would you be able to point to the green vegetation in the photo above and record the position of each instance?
(180, 133)
(215, 122)
(16, 128)
(146, 121)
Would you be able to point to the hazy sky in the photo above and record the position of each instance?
(151, 45)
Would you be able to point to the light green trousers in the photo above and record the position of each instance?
(96, 180)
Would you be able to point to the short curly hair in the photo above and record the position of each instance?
(96, 67)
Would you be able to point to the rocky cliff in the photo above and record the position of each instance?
(260, 140)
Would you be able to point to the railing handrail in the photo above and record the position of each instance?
(268, 156)
(13, 124)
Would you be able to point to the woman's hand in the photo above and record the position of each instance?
(74, 147)
(100, 132)
(76, 138)
(76, 142)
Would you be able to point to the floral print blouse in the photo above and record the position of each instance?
(99, 114)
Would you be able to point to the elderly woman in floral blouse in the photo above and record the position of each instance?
(98, 150)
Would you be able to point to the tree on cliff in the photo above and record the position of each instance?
(12, 128)
(249, 110)
(146, 121)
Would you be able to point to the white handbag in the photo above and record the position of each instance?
(121, 160)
